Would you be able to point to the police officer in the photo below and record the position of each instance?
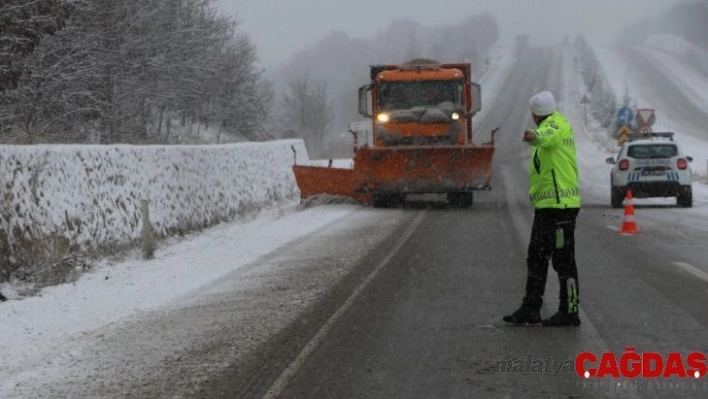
(554, 192)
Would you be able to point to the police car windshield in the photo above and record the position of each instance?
(652, 151)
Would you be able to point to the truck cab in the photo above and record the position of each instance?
(424, 104)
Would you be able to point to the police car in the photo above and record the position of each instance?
(651, 165)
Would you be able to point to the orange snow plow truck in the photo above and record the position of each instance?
(421, 115)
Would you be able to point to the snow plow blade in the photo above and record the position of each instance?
(408, 170)
(318, 180)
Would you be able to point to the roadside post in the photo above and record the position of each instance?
(585, 101)
(148, 239)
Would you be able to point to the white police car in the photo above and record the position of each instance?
(651, 165)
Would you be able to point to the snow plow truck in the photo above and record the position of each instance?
(421, 113)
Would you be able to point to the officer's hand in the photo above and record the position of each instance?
(529, 136)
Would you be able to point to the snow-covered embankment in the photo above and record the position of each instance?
(61, 200)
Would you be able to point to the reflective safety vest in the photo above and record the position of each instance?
(553, 172)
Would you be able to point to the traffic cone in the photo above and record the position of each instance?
(629, 225)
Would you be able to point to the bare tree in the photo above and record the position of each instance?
(307, 110)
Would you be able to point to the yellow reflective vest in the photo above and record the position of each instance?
(553, 172)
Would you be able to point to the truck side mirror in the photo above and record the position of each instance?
(476, 105)
(610, 160)
(364, 93)
(690, 158)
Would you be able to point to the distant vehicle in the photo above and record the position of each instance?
(651, 165)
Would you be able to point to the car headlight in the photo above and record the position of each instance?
(383, 118)
(455, 116)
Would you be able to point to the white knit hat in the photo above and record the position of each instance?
(543, 104)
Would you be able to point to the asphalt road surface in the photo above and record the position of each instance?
(421, 317)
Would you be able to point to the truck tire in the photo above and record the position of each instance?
(461, 200)
(616, 196)
(387, 200)
(685, 197)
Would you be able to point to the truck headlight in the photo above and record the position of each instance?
(383, 118)
(455, 116)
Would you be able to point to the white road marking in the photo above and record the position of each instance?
(617, 230)
(279, 385)
(693, 270)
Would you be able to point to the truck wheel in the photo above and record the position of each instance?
(685, 197)
(387, 200)
(379, 201)
(460, 200)
(616, 196)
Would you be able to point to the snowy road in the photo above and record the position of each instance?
(430, 325)
(343, 301)
(132, 337)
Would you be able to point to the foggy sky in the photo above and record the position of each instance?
(281, 27)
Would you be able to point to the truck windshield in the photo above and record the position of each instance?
(652, 151)
(407, 95)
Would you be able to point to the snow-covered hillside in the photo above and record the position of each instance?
(680, 49)
(688, 94)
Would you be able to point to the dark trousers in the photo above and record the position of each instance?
(553, 238)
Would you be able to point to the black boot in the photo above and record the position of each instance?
(562, 319)
(524, 315)
(567, 314)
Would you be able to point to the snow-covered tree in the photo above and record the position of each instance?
(127, 72)
(307, 110)
(603, 104)
(23, 23)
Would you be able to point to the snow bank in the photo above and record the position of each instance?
(59, 200)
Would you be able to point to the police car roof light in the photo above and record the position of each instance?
(643, 136)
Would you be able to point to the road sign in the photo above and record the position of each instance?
(625, 116)
(622, 139)
(584, 102)
(624, 130)
(646, 117)
(623, 134)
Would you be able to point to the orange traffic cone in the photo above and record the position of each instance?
(629, 226)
